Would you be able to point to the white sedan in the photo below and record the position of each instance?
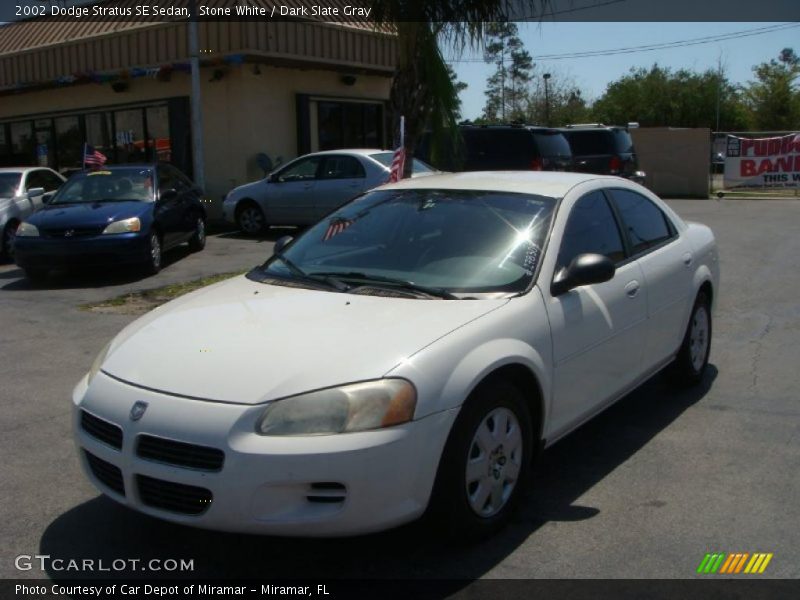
(411, 352)
(306, 189)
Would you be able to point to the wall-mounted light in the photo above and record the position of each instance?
(217, 75)
(349, 79)
(119, 86)
(256, 70)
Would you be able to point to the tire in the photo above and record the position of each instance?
(483, 470)
(7, 242)
(692, 360)
(153, 264)
(250, 218)
(36, 275)
(198, 240)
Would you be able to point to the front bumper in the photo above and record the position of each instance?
(328, 485)
(96, 250)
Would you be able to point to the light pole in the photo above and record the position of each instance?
(546, 77)
(195, 101)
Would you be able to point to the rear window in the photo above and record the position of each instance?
(608, 141)
(498, 142)
(552, 143)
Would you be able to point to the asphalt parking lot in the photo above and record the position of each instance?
(643, 491)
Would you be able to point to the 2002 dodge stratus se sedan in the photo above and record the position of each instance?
(411, 351)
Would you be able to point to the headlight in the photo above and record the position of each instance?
(124, 226)
(356, 407)
(98, 362)
(27, 230)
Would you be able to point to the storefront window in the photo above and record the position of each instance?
(23, 143)
(98, 133)
(158, 140)
(129, 132)
(348, 125)
(69, 142)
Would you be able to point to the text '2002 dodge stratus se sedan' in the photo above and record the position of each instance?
(410, 352)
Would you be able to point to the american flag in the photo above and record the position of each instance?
(93, 158)
(336, 227)
(398, 165)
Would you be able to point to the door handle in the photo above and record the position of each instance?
(632, 289)
(687, 259)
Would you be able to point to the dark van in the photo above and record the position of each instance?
(601, 149)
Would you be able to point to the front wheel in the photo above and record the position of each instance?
(153, 264)
(7, 243)
(198, 240)
(250, 219)
(485, 463)
(692, 359)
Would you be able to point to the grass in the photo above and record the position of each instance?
(140, 302)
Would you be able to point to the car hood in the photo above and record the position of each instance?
(245, 342)
(97, 214)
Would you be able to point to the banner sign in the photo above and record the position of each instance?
(763, 162)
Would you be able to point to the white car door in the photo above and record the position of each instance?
(597, 330)
(341, 179)
(290, 200)
(666, 260)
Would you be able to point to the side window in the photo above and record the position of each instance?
(591, 228)
(166, 180)
(51, 181)
(301, 170)
(342, 167)
(35, 179)
(645, 224)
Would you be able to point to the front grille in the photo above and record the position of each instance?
(180, 454)
(72, 232)
(327, 492)
(106, 473)
(174, 497)
(106, 432)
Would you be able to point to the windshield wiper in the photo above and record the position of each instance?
(298, 273)
(390, 281)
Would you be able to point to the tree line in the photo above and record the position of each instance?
(518, 91)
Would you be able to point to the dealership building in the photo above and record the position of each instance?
(279, 88)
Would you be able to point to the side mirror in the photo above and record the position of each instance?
(584, 269)
(281, 244)
(169, 194)
(274, 178)
(33, 192)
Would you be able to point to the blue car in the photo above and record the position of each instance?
(116, 215)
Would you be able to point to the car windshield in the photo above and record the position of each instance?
(450, 241)
(385, 158)
(117, 185)
(9, 183)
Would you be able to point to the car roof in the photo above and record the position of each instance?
(361, 151)
(554, 184)
(22, 169)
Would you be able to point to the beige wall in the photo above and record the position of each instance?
(243, 114)
(677, 161)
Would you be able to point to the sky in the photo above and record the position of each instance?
(593, 74)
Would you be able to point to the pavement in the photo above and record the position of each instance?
(642, 491)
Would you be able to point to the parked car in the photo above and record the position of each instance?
(514, 147)
(116, 215)
(411, 352)
(607, 150)
(22, 191)
(306, 189)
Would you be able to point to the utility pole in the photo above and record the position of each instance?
(196, 104)
(546, 77)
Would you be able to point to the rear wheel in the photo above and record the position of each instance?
(692, 359)
(485, 463)
(153, 264)
(198, 240)
(8, 238)
(36, 275)
(250, 218)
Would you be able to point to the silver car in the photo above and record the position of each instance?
(306, 189)
(22, 191)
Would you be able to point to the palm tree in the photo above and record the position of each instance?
(422, 89)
